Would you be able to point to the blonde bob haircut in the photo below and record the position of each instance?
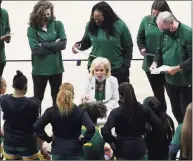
(100, 61)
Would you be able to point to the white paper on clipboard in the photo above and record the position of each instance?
(2, 37)
(163, 68)
(83, 52)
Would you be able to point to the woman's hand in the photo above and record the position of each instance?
(1, 132)
(77, 45)
(143, 52)
(153, 66)
(86, 98)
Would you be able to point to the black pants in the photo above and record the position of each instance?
(122, 74)
(157, 82)
(179, 95)
(2, 65)
(40, 83)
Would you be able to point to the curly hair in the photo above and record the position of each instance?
(36, 16)
(95, 110)
(64, 102)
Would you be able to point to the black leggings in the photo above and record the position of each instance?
(158, 83)
(40, 82)
(179, 95)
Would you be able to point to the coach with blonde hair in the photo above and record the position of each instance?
(101, 86)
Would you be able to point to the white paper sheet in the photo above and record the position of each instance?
(2, 37)
(163, 68)
(83, 52)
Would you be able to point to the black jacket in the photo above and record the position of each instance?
(66, 130)
(19, 114)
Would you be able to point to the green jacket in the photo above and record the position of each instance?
(147, 38)
(46, 50)
(94, 149)
(4, 29)
(117, 49)
(175, 50)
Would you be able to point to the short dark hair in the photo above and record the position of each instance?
(19, 81)
(95, 110)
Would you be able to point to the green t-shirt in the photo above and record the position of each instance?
(4, 29)
(177, 136)
(50, 64)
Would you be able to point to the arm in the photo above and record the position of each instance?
(115, 98)
(57, 45)
(175, 144)
(187, 64)
(40, 125)
(34, 44)
(154, 121)
(106, 130)
(158, 56)
(7, 27)
(141, 36)
(87, 97)
(90, 128)
(127, 45)
(85, 43)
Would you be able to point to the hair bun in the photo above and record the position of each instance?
(19, 73)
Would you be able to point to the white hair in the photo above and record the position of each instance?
(98, 61)
(165, 17)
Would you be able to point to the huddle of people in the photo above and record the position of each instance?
(141, 131)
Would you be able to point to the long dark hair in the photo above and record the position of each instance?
(154, 104)
(109, 18)
(161, 6)
(130, 103)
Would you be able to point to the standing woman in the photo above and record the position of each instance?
(4, 30)
(47, 39)
(129, 144)
(66, 120)
(110, 38)
(147, 43)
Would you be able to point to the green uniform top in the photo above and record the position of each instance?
(4, 29)
(46, 58)
(177, 136)
(175, 50)
(147, 38)
(94, 149)
(117, 49)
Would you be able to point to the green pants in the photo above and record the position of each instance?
(21, 153)
(58, 157)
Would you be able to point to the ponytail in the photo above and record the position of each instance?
(64, 102)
